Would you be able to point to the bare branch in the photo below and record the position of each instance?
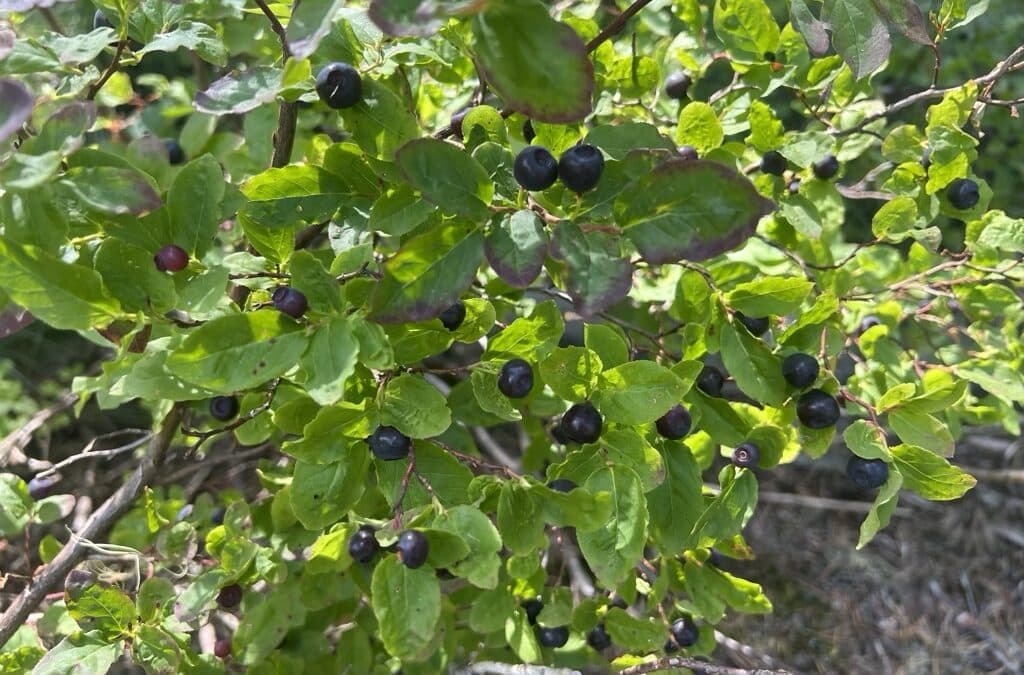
(696, 665)
(288, 113)
(88, 452)
(275, 24)
(111, 69)
(494, 668)
(616, 25)
(52, 575)
(14, 442)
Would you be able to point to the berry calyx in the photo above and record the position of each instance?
(535, 168)
(562, 485)
(757, 326)
(413, 548)
(388, 443)
(453, 317)
(685, 632)
(171, 258)
(289, 301)
(963, 193)
(363, 545)
(582, 423)
(746, 455)
(867, 473)
(598, 638)
(710, 381)
(515, 379)
(580, 167)
(774, 163)
(224, 408)
(339, 85)
(230, 596)
(553, 637)
(800, 370)
(817, 409)
(675, 423)
(677, 84)
(826, 167)
(222, 648)
(175, 153)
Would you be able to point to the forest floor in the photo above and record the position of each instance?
(940, 591)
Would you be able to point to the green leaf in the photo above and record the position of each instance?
(310, 23)
(638, 392)
(1002, 232)
(415, 407)
(520, 637)
(813, 31)
(446, 548)
(536, 65)
(758, 372)
(319, 286)
(491, 610)
(407, 604)
(607, 342)
(113, 190)
(381, 122)
(769, 295)
(101, 609)
(690, 210)
(907, 18)
(16, 103)
(627, 448)
(412, 18)
(79, 653)
(238, 351)
(323, 493)
(195, 37)
(730, 510)
(15, 505)
(482, 565)
(515, 246)
(766, 132)
(520, 520)
(445, 474)
(571, 372)
(866, 440)
(194, 204)
(531, 338)
(929, 475)
(636, 635)
(447, 177)
(329, 361)
(719, 420)
(612, 552)
(484, 381)
(428, 274)
(263, 626)
(238, 93)
(128, 271)
(676, 504)
(915, 427)
(399, 211)
(882, 509)
(746, 27)
(597, 275)
(288, 196)
(618, 140)
(858, 34)
(329, 553)
(699, 126)
(63, 295)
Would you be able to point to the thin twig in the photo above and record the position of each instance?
(203, 436)
(696, 665)
(495, 668)
(102, 519)
(16, 441)
(111, 69)
(288, 112)
(88, 452)
(275, 24)
(616, 25)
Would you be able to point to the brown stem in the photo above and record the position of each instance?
(111, 69)
(98, 524)
(288, 113)
(276, 26)
(696, 665)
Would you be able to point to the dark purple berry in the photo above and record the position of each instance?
(580, 167)
(582, 423)
(175, 153)
(675, 423)
(562, 485)
(222, 648)
(532, 607)
(746, 455)
(171, 258)
(515, 379)
(413, 548)
(963, 193)
(363, 545)
(289, 301)
(867, 473)
(685, 632)
(677, 84)
(688, 153)
(40, 486)
(535, 168)
(453, 317)
(826, 167)
(388, 443)
(710, 381)
(800, 370)
(817, 409)
(339, 85)
(230, 596)
(756, 325)
(553, 637)
(773, 162)
(224, 408)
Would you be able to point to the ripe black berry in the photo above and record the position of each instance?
(774, 163)
(582, 423)
(598, 638)
(867, 473)
(685, 632)
(756, 325)
(926, 158)
(535, 168)
(532, 607)
(675, 423)
(413, 548)
(339, 85)
(175, 153)
(222, 648)
(870, 321)
(528, 133)
(40, 487)
(746, 455)
(963, 193)
(817, 410)
(289, 301)
(388, 443)
(710, 381)
(100, 20)
(456, 122)
(562, 485)
(171, 258)
(977, 391)
(826, 167)
(230, 596)
(515, 379)
(670, 646)
(580, 167)
(688, 152)
(217, 516)
(553, 637)
(677, 84)
(453, 317)
(224, 408)
(362, 545)
(800, 370)
(794, 187)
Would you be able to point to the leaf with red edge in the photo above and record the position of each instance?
(596, 274)
(16, 103)
(417, 18)
(689, 210)
(906, 17)
(810, 27)
(516, 246)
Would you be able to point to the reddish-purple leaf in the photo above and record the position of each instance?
(16, 103)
